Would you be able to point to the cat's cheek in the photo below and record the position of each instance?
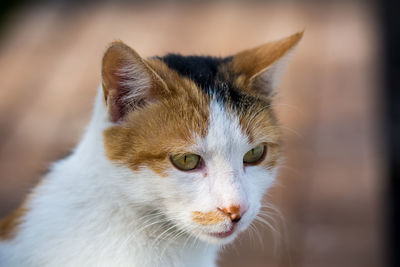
(185, 193)
(260, 180)
(189, 185)
(249, 217)
(257, 181)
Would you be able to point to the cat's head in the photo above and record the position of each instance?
(196, 137)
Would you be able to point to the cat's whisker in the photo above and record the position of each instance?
(253, 232)
(276, 235)
(260, 239)
(146, 224)
(283, 235)
(170, 239)
(275, 210)
(268, 216)
(253, 229)
(161, 237)
(152, 223)
(187, 239)
(291, 130)
(268, 220)
(177, 235)
(128, 239)
(293, 170)
(150, 215)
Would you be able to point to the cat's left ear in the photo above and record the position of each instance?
(260, 69)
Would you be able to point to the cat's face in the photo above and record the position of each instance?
(197, 135)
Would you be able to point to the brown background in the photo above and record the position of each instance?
(330, 187)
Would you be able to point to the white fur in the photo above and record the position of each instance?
(89, 211)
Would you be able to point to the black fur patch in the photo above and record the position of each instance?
(204, 72)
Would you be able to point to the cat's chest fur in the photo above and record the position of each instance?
(173, 165)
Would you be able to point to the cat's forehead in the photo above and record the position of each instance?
(224, 135)
(210, 86)
(216, 80)
(213, 76)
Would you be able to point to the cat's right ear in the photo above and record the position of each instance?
(127, 81)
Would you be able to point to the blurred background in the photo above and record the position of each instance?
(334, 184)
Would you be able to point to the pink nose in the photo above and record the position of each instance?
(234, 212)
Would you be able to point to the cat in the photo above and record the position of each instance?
(174, 164)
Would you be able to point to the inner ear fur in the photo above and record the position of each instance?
(128, 81)
(259, 69)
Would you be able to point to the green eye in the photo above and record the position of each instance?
(254, 155)
(185, 162)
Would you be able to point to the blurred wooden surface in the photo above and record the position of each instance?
(332, 181)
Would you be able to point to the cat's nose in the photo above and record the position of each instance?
(234, 212)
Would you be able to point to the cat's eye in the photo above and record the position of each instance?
(255, 155)
(185, 162)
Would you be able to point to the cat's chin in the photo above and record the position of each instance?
(212, 239)
(220, 238)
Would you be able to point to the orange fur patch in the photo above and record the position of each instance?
(9, 225)
(169, 125)
(208, 218)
